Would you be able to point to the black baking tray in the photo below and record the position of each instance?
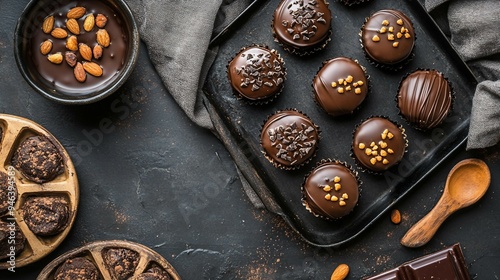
(379, 193)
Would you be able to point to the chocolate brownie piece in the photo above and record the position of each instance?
(8, 193)
(46, 215)
(121, 262)
(38, 159)
(77, 269)
(6, 228)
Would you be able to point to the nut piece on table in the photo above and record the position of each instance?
(340, 272)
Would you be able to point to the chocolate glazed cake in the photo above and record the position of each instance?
(302, 26)
(388, 38)
(424, 98)
(340, 86)
(290, 139)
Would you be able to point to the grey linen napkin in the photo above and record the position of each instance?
(474, 29)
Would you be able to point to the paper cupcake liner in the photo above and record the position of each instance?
(265, 100)
(388, 67)
(282, 166)
(360, 105)
(319, 164)
(359, 165)
(413, 125)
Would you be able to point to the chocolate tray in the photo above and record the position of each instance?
(379, 193)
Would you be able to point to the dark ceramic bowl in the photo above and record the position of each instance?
(57, 82)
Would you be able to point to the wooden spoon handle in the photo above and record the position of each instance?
(421, 232)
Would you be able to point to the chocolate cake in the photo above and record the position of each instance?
(302, 26)
(424, 98)
(340, 86)
(289, 138)
(257, 73)
(378, 144)
(8, 193)
(6, 229)
(38, 159)
(79, 268)
(331, 190)
(46, 216)
(121, 263)
(388, 38)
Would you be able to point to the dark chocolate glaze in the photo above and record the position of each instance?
(46, 216)
(448, 263)
(289, 138)
(77, 268)
(61, 75)
(328, 97)
(302, 24)
(371, 131)
(315, 192)
(383, 51)
(257, 73)
(424, 98)
(7, 190)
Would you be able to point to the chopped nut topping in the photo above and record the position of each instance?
(390, 151)
(399, 35)
(361, 146)
(391, 29)
(360, 83)
(348, 88)
(383, 153)
(334, 198)
(372, 144)
(357, 91)
(373, 161)
(378, 158)
(334, 84)
(407, 35)
(327, 188)
(383, 29)
(395, 44)
(345, 196)
(385, 161)
(374, 153)
(355, 84)
(383, 144)
(376, 38)
(385, 22)
(341, 81)
(390, 37)
(390, 135)
(328, 196)
(349, 79)
(368, 151)
(399, 22)
(336, 179)
(375, 147)
(340, 90)
(342, 203)
(338, 186)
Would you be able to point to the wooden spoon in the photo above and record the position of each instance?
(467, 182)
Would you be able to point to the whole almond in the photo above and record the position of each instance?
(76, 12)
(85, 52)
(48, 24)
(395, 216)
(103, 38)
(97, 51)
(55, 58)
(89, 22)
(72, 43)
(340, 273)
(101, 20)
(59, 33)
(46, 47)
(79, 72)
(73, 26)
(93, 68)
(70, 58)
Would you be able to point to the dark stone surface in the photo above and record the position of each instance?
(148, 175)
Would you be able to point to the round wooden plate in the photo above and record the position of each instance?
(15, 130)
(95, 253)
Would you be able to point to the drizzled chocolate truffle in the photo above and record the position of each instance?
(46, 215)
(6, 227)
(340, 86)
(8, 193)
(302, 26)
(38, 159)
(290, 139)
(79, 268)
(257, 73)
(331, 190)
(154, 273)
(424, 98)
(388, 38)
(121, 263)
(378, 144)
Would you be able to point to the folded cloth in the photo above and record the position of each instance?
(474, 30)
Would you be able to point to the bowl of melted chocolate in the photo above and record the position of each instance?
(76, 52)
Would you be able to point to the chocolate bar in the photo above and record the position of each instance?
(446, 264)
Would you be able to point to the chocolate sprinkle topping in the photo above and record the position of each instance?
(77, 269)
(46, 215)
(5, 188)
(121, 262)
